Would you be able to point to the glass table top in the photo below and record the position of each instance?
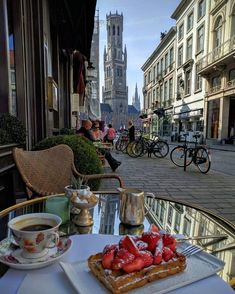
(173, 217)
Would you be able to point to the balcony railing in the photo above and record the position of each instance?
(214, 89)
(217, 53)
(230, 84)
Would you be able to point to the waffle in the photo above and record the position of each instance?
(117, 281)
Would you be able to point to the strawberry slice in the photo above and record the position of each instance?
(147, 257)
(108, 248)
(167, 254)
(141, 245)
(151, 239)
(169, 241)
(129, 244)
(122, 258)
(108, 258)
(154, 228)
(134, 266)
(157, 258)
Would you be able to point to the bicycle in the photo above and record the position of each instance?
(183, 156)
(141, 146)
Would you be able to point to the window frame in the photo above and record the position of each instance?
(187, 51)
(182, 55)
(188, 17)
(203, 2)
(180, 37)
(202, 26)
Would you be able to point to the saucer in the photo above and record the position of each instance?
(11, 255)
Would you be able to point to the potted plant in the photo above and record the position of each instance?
(78, 187)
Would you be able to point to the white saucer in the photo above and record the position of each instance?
(12, 255)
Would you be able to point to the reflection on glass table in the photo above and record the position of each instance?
(215, 235)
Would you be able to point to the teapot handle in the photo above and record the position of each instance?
(150, 195)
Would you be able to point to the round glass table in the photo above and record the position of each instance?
(189, 223)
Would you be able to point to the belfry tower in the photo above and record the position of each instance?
(115, 90)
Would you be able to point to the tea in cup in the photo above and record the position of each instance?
(35, 233)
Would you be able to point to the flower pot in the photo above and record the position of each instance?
(70, 191)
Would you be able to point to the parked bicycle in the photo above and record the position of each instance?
(142, 146)
(183, 155)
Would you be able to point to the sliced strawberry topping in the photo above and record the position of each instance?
(169, 241)
(167, 254)
(108, 248)
(108, 258)
(157, 258)
(141, 245)
(134, 266)
(154, 229)
(122, 257)
(130, 245)
(147, 257)
(151, 239)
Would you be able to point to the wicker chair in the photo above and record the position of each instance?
(47, 172)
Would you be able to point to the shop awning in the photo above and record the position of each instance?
(74, 21)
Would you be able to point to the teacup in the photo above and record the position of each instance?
(35, 233)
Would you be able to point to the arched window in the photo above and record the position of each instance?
(109, 30)
(218, 32)
(232, 75)
(233, 21)
(118, 30)
(113, 30)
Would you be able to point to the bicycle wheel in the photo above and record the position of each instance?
(160, 149)
(129, 149)
(138, 148)
(202, 160)
(123, 145)
(177, 156)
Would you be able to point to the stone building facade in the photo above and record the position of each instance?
(115, 90)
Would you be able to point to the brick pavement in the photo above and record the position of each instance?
(214, 191)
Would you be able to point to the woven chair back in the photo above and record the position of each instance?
(45, 172)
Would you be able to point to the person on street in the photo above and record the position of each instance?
(131, 131)
(111, 134)
(86, 131)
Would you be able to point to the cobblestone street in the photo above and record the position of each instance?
(214, 191)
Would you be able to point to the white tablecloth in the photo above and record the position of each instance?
(83, 246)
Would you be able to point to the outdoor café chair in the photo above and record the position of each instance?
(47, 172)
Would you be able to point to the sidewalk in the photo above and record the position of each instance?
(214, 191)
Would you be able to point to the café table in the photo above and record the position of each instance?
(175, 217)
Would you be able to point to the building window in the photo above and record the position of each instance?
(233, 21)
(149, 76)
(181, 32)
(170, 215)
(180, 55)
(109, 30)
(177, 222)
(118, 30)
(158, 69)
(218, 32)
(231, 76)
(119, 71)
(187, 227)
(161, 94)
(154, 73)
(190, 21)
(200, 38)
(189, 49)
(145, 80)
(166, 62)
(171, 58)
(198, 82)
(162, 66)
(188, 79)
(154, 95)
(215, 84)
(113, 30)
(162, 212)
(165, 92)
(201, 9)
(149, 100)
(170, 89)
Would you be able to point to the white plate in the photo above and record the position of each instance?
(199, 266)
(11, 255)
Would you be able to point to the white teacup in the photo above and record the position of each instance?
(35, 233)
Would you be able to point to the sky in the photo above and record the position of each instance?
(143, 21)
